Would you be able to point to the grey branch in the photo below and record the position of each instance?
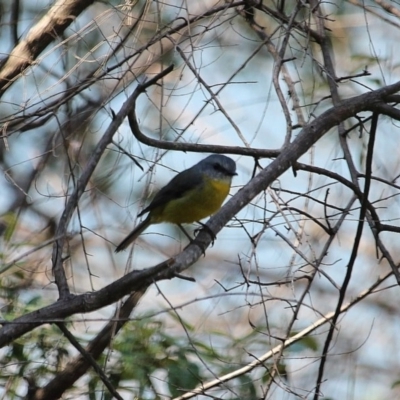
(51, 25)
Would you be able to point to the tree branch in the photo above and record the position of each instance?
(278, 349)
(51, 26)
(136, 280)
(79, 366)
(90, 361)
(72, 203)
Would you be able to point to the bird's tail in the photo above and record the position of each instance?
(133, 235)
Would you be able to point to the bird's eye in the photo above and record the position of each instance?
(218, 167)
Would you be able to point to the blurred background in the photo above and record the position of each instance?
(243, 76)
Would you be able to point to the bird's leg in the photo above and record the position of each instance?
(192, 240)
(209, 231)
(186, 234)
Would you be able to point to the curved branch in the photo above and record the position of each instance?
(195, 147)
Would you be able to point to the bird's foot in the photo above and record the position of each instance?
(208, 230)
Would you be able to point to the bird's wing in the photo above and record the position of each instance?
(182, 183)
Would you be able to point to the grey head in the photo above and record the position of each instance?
(218, 166)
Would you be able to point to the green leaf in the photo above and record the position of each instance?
(92, 388)
(396, 383)
(10, 220)
(307, 342)
(183, 375)
(247, 388)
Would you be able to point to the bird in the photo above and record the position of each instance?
(190, 196)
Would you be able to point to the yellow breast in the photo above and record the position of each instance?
(197, 204)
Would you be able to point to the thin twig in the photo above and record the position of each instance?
(88, 357)
(327, 318)
(82, 182)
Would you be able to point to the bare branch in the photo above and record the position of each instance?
(58, 269)
(50, 27)
(278, 349)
